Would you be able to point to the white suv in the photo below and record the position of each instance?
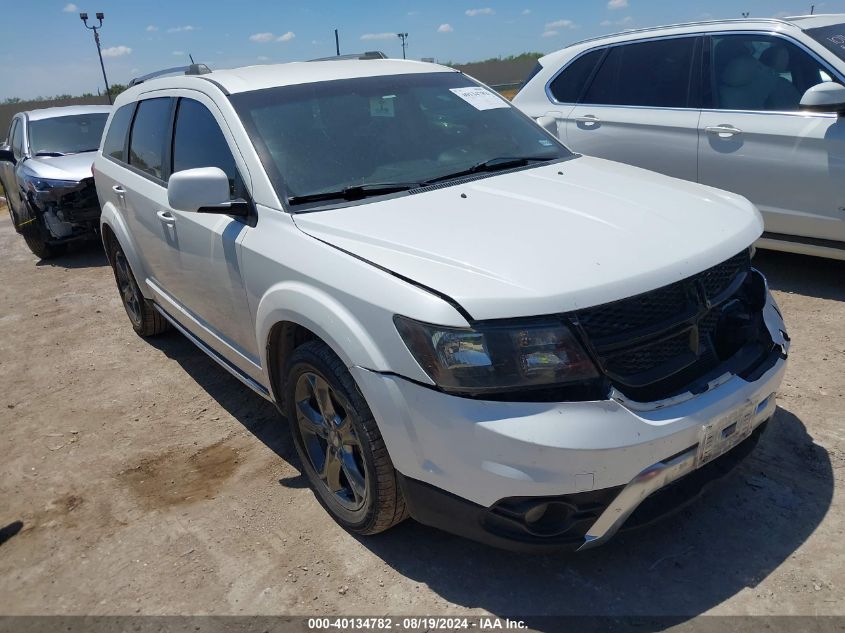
(751, 106)
(461, 319)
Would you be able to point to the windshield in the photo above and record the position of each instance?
(831, 37)
(66, 134)
(370, 134)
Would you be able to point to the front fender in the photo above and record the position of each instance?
(324, 316)
(112, 219)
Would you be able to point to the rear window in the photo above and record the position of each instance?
(570, 84)
(654, 74)
(115, 141)
(146, 145)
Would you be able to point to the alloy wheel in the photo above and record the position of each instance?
(324, 421)
(129, 291)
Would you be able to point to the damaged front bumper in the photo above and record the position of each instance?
(62, 210)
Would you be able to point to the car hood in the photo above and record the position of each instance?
(549, 239)
(71, 167)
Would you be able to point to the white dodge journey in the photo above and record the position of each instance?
(462, 320)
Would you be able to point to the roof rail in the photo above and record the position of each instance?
(365, 55)
(680, 25)
(193, 69)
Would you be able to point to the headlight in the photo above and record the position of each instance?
(500, 357)
(42, 185)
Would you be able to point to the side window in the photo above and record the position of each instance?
(146, 144)
(761, 72)
(652, 74)
(198, 141)
(570, 84)
(17, 139)
(113, 145)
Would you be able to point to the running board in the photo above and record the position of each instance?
(237, 373)
(808, 241)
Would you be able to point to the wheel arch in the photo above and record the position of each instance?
(113, 230)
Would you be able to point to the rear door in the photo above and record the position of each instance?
(642, 107)
(756, 142)
(145, 189)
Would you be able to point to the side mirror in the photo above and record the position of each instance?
(203, 190)
(7, 155)
(548, 123)
(825, 97)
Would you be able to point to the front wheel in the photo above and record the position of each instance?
(339, 444)
(34, 238)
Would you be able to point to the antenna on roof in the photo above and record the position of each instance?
(191, 57)
(745, 14)
(812, 9)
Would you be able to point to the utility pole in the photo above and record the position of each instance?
(99, 16)
(403, 37)
(337, 42)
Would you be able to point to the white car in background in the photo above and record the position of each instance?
(751, 106)
(462, 320)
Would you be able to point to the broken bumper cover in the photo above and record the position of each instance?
(64, 210)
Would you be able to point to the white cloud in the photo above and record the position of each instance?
(70, 7)
(151, 28)
(548, 33)
(180, 29)
(526, 12)
(485, 11)
(261, 37)
(445, 28)
(617, 4)
(286, 37)
(263, 58)
(178, 53)
(560, 24)
(378, 36)
(116, 51)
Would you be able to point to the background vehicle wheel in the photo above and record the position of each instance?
(145, 319)
(34, 239)
(341, 449)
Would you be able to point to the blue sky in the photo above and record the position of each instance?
(49, 52)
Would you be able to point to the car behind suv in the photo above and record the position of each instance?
(752, 106)
(461, 319)
(45, 170)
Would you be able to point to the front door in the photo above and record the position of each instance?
(755, 141)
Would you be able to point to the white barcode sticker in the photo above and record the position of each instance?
(480, 98)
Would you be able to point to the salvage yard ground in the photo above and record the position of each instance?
(139, 477)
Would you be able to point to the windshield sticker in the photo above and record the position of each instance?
(480, 98)
(545, 142)
(382, 106)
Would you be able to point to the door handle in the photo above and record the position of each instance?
(588, 119)
(166, 217)
(724, 131)
(119, 190)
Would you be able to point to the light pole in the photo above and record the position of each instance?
(403, 37)
(99, 16)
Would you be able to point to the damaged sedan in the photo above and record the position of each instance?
(45, 170)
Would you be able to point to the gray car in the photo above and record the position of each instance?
(45, 170)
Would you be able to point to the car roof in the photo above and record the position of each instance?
(799, 22)
(52, 113)
(247, 78)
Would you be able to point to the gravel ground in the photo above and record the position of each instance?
(139, 477)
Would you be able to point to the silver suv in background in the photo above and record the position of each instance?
(45, 170)
(752, 106)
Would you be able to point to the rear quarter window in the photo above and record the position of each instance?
(115, 139)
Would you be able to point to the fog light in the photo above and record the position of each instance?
(536, 513)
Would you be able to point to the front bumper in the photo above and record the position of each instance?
(602, 458)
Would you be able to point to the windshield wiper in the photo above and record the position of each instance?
(500, 163)
(355, 192)
(51, 154)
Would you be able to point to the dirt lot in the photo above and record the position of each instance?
(147, 480)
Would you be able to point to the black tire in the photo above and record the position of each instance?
(34, 238)
(381, 505)
(145, 319)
